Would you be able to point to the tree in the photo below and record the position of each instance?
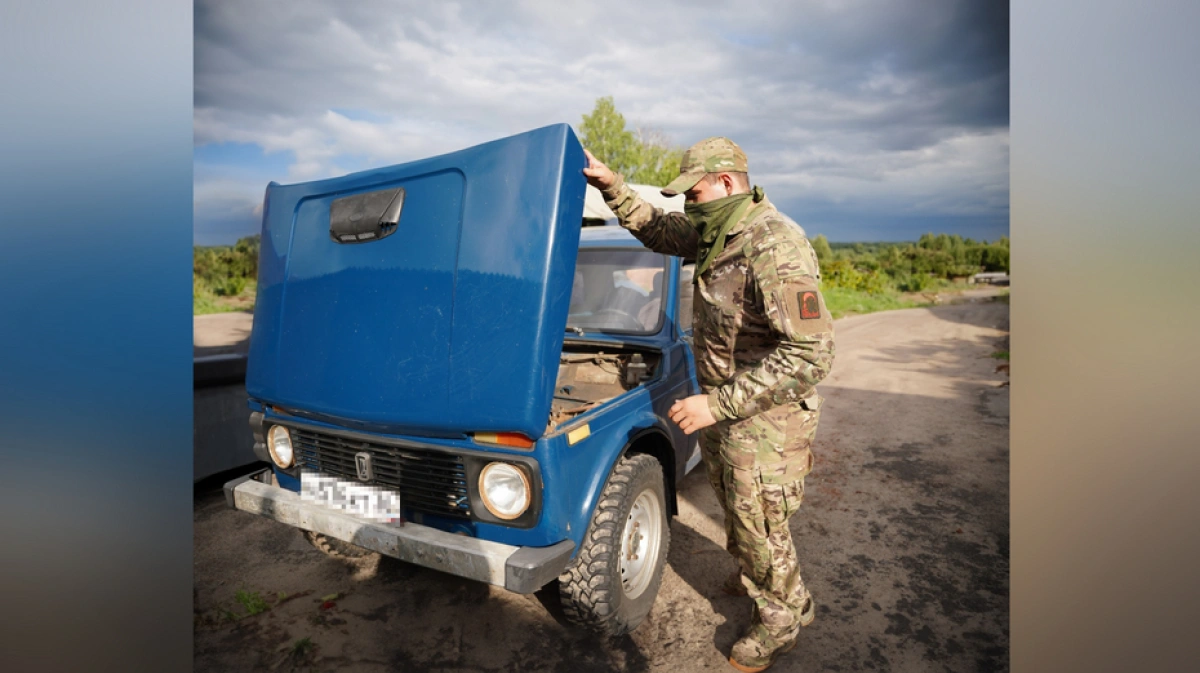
(646, 157)
(658, 161)
(820, 246)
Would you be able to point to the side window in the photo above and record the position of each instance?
(686, 287)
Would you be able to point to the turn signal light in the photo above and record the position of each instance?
(514, 439)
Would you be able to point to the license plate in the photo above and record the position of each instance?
(368, 502)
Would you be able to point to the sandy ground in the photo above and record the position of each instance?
(903, 539)
(221, 333)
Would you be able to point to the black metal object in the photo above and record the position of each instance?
(363, 218)
(428, 481)
(262, 475)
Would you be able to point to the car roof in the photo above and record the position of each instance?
(607, 236)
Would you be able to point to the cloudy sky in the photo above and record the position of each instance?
(863, 120)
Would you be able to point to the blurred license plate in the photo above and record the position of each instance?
(368, 502)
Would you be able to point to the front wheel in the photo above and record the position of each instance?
(614, 578)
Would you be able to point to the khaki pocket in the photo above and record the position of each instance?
(781, 501)
(743, 499)
(714, 338)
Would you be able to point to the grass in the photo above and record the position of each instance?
(842, 302)
(251, 601)
(1001, 355)
(301, 648)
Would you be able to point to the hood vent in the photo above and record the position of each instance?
(363, 218)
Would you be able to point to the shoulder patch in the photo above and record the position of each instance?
(810, 306)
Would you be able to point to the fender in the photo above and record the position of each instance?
(594, 458)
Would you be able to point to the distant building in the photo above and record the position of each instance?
(993, 278)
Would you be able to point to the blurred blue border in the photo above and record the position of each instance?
(95, 335)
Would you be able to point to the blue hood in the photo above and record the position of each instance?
(434, 301)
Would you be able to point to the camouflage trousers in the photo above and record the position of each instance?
(757, 467)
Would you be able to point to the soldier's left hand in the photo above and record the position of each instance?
(692, 413)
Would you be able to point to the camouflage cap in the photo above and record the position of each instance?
(711, 155)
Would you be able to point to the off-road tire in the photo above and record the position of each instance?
(338, 549)
(590, 588)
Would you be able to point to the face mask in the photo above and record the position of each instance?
(708, 217)
(713, 220)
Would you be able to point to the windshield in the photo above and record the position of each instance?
(618, 291)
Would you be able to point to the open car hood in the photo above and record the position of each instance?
(425, 298)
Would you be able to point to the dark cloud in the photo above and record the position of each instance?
(873, 106)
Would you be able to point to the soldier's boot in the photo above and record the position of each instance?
(758, 649)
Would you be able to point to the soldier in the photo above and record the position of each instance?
(763, 340)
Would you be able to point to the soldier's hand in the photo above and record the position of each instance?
(692, 413)
(598, 175)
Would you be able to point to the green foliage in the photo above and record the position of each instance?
(995, 258)
(231, 287)
(658, 162)
(203, 298)
(841, 273)
(216, 264)
(844, 273)
(913, 282)
(933, 262)
(302, 647)
(941, 255)
(820, 246)
(251, 601)
(223, 272)
(645, 158)
(603, 133)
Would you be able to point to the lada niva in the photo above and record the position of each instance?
(447, 368)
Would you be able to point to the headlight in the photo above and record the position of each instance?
(279, 443)
(504, 489)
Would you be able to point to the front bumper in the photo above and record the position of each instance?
(519, 569)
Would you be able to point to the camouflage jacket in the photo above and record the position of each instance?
(763, 336)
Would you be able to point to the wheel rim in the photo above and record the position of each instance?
(640, 541)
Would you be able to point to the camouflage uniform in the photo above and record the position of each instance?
(763, 340)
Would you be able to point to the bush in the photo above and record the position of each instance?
(915, 282)
(874, 282)
(222, 271)
(231, 287)
(995, 258)
(964, 271)
(820, 246)
(203, 298)
(841, 273)
(864, 277)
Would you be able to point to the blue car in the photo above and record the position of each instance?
(448, 369)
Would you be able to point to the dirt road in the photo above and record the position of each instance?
(221, 333)
(903, 539)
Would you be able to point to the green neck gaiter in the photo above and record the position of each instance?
(713, 219)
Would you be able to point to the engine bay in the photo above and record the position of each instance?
(590, 376)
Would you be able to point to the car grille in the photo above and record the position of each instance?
(428, 481)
